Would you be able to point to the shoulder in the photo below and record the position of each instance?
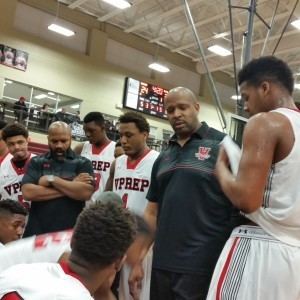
(215, 134)
(78, 148)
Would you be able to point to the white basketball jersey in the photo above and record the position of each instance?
(279, 215)
(101, 159)
(41, 281)
(7, 156)
(132, 182)
(10, 179)
(41, 248)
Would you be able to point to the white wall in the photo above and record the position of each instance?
(87, 77)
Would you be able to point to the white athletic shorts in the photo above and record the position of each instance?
(145, 291)
(255, 266)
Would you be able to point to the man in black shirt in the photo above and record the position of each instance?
(57, 183)
(192, 216)
(20, 109)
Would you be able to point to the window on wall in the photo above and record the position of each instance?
(42, 106)
(37, 97)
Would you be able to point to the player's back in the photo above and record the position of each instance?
(40, 281)
(42, 248)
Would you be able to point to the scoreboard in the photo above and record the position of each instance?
(145, 97)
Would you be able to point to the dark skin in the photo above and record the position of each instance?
(268, 138)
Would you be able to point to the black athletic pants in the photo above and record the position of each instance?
(167, 285)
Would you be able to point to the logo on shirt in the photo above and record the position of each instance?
(203, 153)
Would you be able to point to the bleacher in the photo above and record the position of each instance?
(37, 148)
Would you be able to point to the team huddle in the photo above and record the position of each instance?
(93, 223)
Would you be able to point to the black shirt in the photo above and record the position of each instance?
(194, 216)
(61, 213)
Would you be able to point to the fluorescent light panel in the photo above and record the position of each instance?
(122, 4)
(8, 81)
(296, 24)
(51, 93)
(219, 50)
(297, 86)
(75, 106)
(61, 30)
(40, 96)
(159, 67)
(236, 97)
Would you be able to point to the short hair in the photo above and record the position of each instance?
(14, 130)
(267, 68)
(12, 207)
(2, 124)
(136, 118)
(95, 116)
(118, 144)
(102, 234)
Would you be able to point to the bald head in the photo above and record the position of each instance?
(59, 126)
(59, 139)
(184, 93)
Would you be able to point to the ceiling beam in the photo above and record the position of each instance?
(117, 11)
(206, 21)
(166, 14)
(236, 30)
(76, 3)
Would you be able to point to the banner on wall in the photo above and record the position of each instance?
(13, 57)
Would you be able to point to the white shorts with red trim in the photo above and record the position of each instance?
(124, 293)
(255, 266)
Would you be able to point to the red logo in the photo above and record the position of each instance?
(203, 153)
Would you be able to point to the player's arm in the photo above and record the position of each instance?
(260, 139)
(31, 190)
(75, 189)
(110, 180)
(78, 148)
(139, 249)
(34, 192)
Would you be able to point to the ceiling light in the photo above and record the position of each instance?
(8, 81)
(122, 4)
(158, 67)
(236, 97)
(296, 24)
(40, 96)
(297, 86)
(75, 106)
(61, 30)
(219, 50)
(221, 35)
(51, 93)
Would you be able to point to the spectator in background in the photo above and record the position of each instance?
(12, 221)
(45, 107)
(12, 169)
(57, 183)
(118, 149)
(60, 115)
(20, 109)
(3, 147)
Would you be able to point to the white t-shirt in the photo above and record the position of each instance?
(132, 182)
(41, 248)
(41, 281)
(101, 159)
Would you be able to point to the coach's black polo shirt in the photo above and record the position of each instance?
(60, 213)
(194, 218)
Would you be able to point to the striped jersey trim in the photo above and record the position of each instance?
(266, 199)
(232, 273)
